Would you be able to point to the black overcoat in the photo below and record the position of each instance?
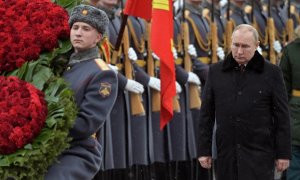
(252, 116)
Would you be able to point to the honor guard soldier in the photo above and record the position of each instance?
(181, 127)
(118, 134)
(141, 126)
(290, 66)
(95, 90)
(259, 17)
(217, 27)
(280, 18)
(238, 14)
(198, 31)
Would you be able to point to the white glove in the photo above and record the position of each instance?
(155, 56)
(259, 50)
(222, 3)
(175, 55)
(133, 86)
(277, 46)
(220, 53)
(132, 54)
(114, 68)
(178, 88)
(154, 83)
(193, 78)
(192, 50)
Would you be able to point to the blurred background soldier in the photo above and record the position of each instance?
(292, 8)
(259, 19)
(117, 137)
(217, 26)
(181, 129)
(237, 13)
(279, 16)
(144, 151)
(290, 66)
(198, 39)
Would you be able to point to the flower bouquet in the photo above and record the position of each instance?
(37, 108)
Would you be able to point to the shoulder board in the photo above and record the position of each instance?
(205, 12)
(101, 64)
(265, 8)
(248, 9)
(186, 13)
(292, 9)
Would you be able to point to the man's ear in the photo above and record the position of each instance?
(99, 37)
(257, 44)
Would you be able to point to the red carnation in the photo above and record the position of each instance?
(24, 30)
(23, 111)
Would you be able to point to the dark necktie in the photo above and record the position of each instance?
(242, 68)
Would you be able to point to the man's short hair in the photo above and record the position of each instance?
(249, 28)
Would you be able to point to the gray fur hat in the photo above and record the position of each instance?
(90, 15)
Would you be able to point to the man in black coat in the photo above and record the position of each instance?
(247, 97)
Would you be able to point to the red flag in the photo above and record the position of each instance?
(139, 8)
(161, 37)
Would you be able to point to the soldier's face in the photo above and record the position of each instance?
(83, 36)
(243, 46)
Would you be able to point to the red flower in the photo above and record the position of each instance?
(28, 27)
(23, 112)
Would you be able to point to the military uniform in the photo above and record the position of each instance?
(290, 66)
(199, 37)
(120, 121)
(238, 15)
(177, 125)
(218, 19)
(259, 21)
(141, 126)
(199, 32)
(95, 91)
(280, 18)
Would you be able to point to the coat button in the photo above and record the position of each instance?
(240, 93)
(238, 146)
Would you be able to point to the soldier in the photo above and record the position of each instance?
(198, 29)
(95, 87)
(290, 66)
(219, 22)
(177, 128)
(280, 18)
(259, 18)
(294, 11)
(237, 12)
(117, 136)
(142, 132)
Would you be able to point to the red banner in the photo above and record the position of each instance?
(139, 8)
(161, 37)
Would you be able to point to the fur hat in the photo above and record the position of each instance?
(90, 15)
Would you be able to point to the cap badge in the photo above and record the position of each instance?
(84, 12)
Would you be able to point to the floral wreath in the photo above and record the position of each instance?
(37, 108)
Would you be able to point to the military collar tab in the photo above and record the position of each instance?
(256, 63)
(88, 54)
